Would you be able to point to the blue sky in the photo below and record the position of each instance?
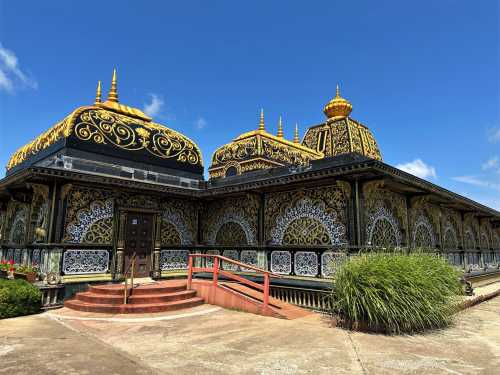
(423, 76)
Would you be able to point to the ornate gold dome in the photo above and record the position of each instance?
(116, 130)
(337, 107)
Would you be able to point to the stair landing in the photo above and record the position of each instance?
(143, 298)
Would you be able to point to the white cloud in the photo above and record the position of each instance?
(495, 135)
(154, 108)
(200, 123)
(492, 163)
(478, 181)
(11, 76)
(418, 168)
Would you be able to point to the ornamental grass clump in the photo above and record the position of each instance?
(18, 297)
(395, 293)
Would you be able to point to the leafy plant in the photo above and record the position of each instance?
(26, 269)
(396, 293)
(18, 297)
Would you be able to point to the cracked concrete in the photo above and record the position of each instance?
(231, 342)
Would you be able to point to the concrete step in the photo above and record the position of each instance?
(156, 288)
(117, 299)
(142, 308)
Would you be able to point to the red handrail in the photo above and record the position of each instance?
(216, 271)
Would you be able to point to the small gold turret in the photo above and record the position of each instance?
(113, 92)
(338, 107)
(296, 135)
(280, 128)
(98, 93)
(261, 122)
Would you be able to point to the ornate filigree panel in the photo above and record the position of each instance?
(454, 259)
(18, 227)
(93, 224)
(39, 213)
(450, 241)
(281, 262)
(469, 239)
(473, 260)
(173, 260)
(382, 229)
(2, 224)
(231, 254)
(385, 215)
(18, 256)
(231, 233)
(496, 241)
(242, 212)
(306, 263)
(330, 262)
(36, 257)
(209, 262)
(105, 127)
(423, 233)
(308, 217)
(489, 260)
(249, 257)
(451, 219)
(484, 241)
(85, 261)
(178, 222)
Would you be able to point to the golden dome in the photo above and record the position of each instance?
(338, 107)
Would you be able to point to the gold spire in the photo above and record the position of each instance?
(98, 93)
(296, 135)
(113, 92)
(280, 129)
(338, 106)
(261, 122)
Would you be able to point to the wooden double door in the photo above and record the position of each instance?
(139, 230)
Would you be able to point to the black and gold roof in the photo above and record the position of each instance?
(259, 149)
(340, 134)
(118, 131)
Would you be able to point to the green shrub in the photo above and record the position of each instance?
(18, 297)
(396, 293)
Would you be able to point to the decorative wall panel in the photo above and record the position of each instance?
(18, 216)
(281, 262)
(178, 222)
(173, 260)
(450, 240)
(18, 256)
(231, 254)
(39, 213)
(85, 261)
(232, 221)
(308, 216)
(385, 215)
(209, 262)
(93, 224)
(249, 257)
(306, 263)
(423, 233)
(36, 258)
(330, 262)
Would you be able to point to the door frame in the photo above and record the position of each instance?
(119, 248)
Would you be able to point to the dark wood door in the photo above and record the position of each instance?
(139, 239)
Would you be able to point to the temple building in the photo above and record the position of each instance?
(107, 181)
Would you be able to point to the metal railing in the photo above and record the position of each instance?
(216, 271)
(130, 269)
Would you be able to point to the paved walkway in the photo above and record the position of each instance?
(218, 341)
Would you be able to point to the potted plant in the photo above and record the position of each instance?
(29, 273)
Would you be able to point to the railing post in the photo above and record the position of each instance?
(216, 271)
(190, 271)
(266, 290)
(125, 292)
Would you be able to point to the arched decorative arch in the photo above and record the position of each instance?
(307, 223)
(484, 241)
(423, 233)
(174, 230)
(18, 228)
(93, 224)
(469, 240)
(450, 240)
(235, 217)
(383, 229)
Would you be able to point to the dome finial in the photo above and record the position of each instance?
(113, 92)
(261, 122)
(338, 107)
(296, 135)
(280, 128)
(98, 93)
